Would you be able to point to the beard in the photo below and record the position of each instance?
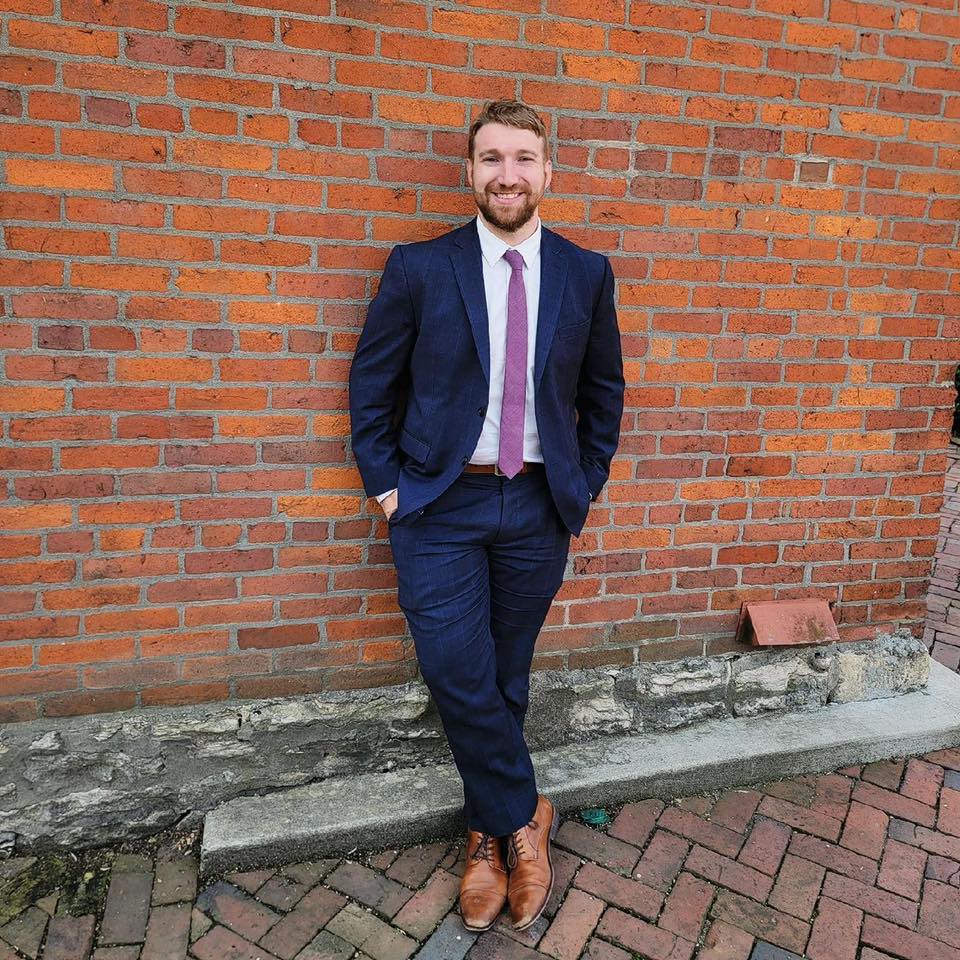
(509, 219)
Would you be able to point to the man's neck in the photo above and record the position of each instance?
(512, 237)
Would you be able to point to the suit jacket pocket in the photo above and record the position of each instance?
(413, 446)
(568, 332)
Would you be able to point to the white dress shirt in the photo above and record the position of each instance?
(496, 280)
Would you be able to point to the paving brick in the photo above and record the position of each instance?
(834, 858)
(794, 790)
(699, 805)
(943, 869)
(168, 933)
(735, 809)
(326, 946)
(370, 934)
(901, 942)
(250, 880)
(801, 819)
(427, 907)
(495, 946)
(450, 941)
(687, 906)
(945, 758)
(175, 880)
(836, 931)
(712, 835)
(951, 779)
(113, 953)
(894, 804)
(922, 781)
(939, 843)
(870, 899)
(724, 942)
(765, 846)
(294, 931)
(632, 895)
(382, 860)
(902, 869)
(308, 872)
(601, 950)
(636, 822)
(940, 913)
(865, 830)
(764, 922)
(25, 931)
(281, 892)
(662, 860)
(565, 865)
(369, 887)
(797, 887)
(642, 937)
(528, 937)
(768, 951)
(884, 773)
(729, 873)
(415, 864)
(832, 794)
(229, 906)
(127, 908)
(948, 820)
(69, 938)
(219, 943)
(572, 926)
(200, 923)
(607, 851)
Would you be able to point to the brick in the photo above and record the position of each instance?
(427, 907)
(806, 820)
(636, 822)
(642, 937)
(735, 809)
(901, 942)
(902, 870)
(127, 908)
(69, 938)
(834, 858)
(865, 830)
(370, 934)
(219, 943)
(25, 931)
(922, 781)
(870, 899)
(596, 846)
(369, 888)
(764, 848)
(728, 873)
(281, 893)
(725, 942)
(294, 931)
(902, 807)
(227, 905)
(712, 835)
(601, 950)
(687, 906)
(940, 913)
(797, 887)
(168, 933)
(762, 921)
(450, 941)
(662, 860)
(572, 926)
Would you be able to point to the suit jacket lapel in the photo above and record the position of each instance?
(553, 277)
(468, 268)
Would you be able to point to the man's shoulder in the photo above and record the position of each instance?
(590, 259)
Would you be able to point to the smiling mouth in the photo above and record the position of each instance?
(508, 197)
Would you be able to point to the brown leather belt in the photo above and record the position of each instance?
(528, 467)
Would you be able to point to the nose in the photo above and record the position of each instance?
(508, 173)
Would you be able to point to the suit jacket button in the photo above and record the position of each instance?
(482, 410)
(465, 461)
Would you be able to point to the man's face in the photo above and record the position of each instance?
(509, 174)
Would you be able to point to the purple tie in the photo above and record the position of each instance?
(515, 371)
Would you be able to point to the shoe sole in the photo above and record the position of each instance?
(554, 827)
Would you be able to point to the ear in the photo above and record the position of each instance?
(469, 173)
(548, 175)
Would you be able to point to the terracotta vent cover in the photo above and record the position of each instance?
(780, 623)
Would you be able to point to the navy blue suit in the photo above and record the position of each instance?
(480, 557)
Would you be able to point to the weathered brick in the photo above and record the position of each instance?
(764, 848)
(294, 931)
(69, 938)
(572, 926)
(229, 906)
(902, 869)
(369, 887)
(797, 887)
(865, 830)
(630, 894)
(662, 860)
(374, 937)
(127, 908)
(168, 933)
(642, 937)
(427, 907)
(607, 851)
(763, 922)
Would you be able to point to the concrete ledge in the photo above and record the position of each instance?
(334, 816)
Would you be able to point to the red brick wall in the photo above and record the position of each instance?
(197, 200)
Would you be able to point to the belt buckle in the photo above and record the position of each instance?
(497, 472)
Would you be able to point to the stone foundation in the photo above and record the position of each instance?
(96, 779)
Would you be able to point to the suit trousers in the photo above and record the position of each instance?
(477, 571)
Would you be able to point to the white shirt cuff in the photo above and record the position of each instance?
(383, 496)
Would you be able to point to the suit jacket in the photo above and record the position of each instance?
(419, 380)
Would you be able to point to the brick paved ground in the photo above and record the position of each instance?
(861, 864)
(942, 634)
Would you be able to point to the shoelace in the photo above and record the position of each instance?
(517, 845)
(484, 849)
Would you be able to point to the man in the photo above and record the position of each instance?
(485, 400)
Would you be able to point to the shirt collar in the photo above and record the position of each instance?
(493, 248)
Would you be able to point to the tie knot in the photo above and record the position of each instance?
(515, 259)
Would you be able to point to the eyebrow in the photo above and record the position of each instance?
(492, 152)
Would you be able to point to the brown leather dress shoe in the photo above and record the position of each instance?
(483, 887)
(530, 864)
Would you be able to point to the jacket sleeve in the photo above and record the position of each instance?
(379, 377)
(600, 390)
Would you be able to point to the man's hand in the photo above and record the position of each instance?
(389, 504)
